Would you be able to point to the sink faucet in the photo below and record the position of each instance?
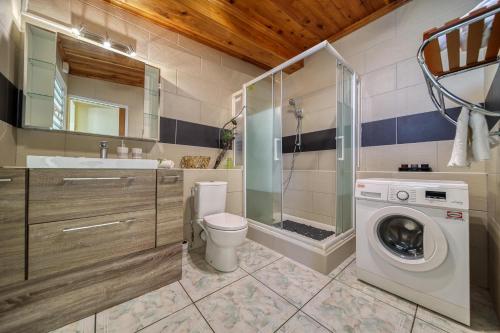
(103, 149)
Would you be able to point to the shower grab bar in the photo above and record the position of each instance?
(276, 142)
(341, 150)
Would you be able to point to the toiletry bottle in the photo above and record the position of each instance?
(122, 151)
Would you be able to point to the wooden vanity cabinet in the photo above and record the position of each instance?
(169, 207)
(79, 217)
(12, 225)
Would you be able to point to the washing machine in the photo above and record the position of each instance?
(412, 240)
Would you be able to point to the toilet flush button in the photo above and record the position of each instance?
(403, 195)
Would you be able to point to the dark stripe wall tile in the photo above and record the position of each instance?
(312, 141)
(378, 133)
(193, 134)
(424, 127)
(168, 128)
(9, 102)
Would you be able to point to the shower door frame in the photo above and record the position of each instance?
(356, 87)
(355, 137)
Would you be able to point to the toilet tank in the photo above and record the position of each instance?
(209, 198)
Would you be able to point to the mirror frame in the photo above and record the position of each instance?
(58, 28)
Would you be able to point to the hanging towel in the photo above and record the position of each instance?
(460, 155)
(480, 137)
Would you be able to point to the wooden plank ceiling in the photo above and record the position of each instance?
(263, 32)
(94, 62)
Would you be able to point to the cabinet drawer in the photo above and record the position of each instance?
(12, 225)
(58, 246)
(58, 195)
(170, 210)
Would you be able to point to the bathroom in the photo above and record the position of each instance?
(309, 118)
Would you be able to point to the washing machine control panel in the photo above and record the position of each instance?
(402, 194)
(428, 196)
(439, 194)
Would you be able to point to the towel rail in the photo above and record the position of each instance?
(429, 59)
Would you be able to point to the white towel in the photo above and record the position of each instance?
(460, 155)
(166, 164)
(480, 136)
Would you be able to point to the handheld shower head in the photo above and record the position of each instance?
(295, 108)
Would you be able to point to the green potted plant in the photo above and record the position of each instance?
(226, 138)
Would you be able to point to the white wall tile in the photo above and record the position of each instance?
(8, 141)
(383, 106)
(327, 159)
(180, 107)
(241, 66)
(389, 158)
(380, 81)
(409, 73)
(163, 52)
(203, 51)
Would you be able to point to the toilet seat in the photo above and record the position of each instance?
(225, 222)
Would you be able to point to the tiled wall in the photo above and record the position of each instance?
(10, 50)
(311, 192)
(399, 125)
(493, 168)
(197, 84)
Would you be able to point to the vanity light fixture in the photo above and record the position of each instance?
(131, 52)
(77, 31)
(107, 42)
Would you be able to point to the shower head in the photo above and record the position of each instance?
(295, 108)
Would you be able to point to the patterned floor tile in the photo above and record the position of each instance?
(200, 279)
(187, 320)
(343, 265)
(253, 256)
(85, 325)
(142, 311)
(245, 306)
(420, 326)
(341, 308)
(295, 282)
(348, 276)
(483, 316)
(301, 323)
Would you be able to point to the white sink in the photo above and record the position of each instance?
(58, 162)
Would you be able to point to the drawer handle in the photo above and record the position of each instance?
(79, 179)
(98, 225)
(170, 177)
(5, 180)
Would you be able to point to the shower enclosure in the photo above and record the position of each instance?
(300, 142)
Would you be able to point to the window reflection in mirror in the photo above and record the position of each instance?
(77, 86)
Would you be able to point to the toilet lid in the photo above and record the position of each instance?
(225, 221)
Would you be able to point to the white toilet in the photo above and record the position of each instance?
(223, 231)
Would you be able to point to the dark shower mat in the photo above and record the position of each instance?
(307, 230)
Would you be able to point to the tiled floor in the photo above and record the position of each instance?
(271, 293)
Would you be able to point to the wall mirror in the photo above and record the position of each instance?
(76, 86)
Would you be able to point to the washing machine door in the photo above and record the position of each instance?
(407, 238)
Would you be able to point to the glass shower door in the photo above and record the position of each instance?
(263, 153)
(345, 148)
